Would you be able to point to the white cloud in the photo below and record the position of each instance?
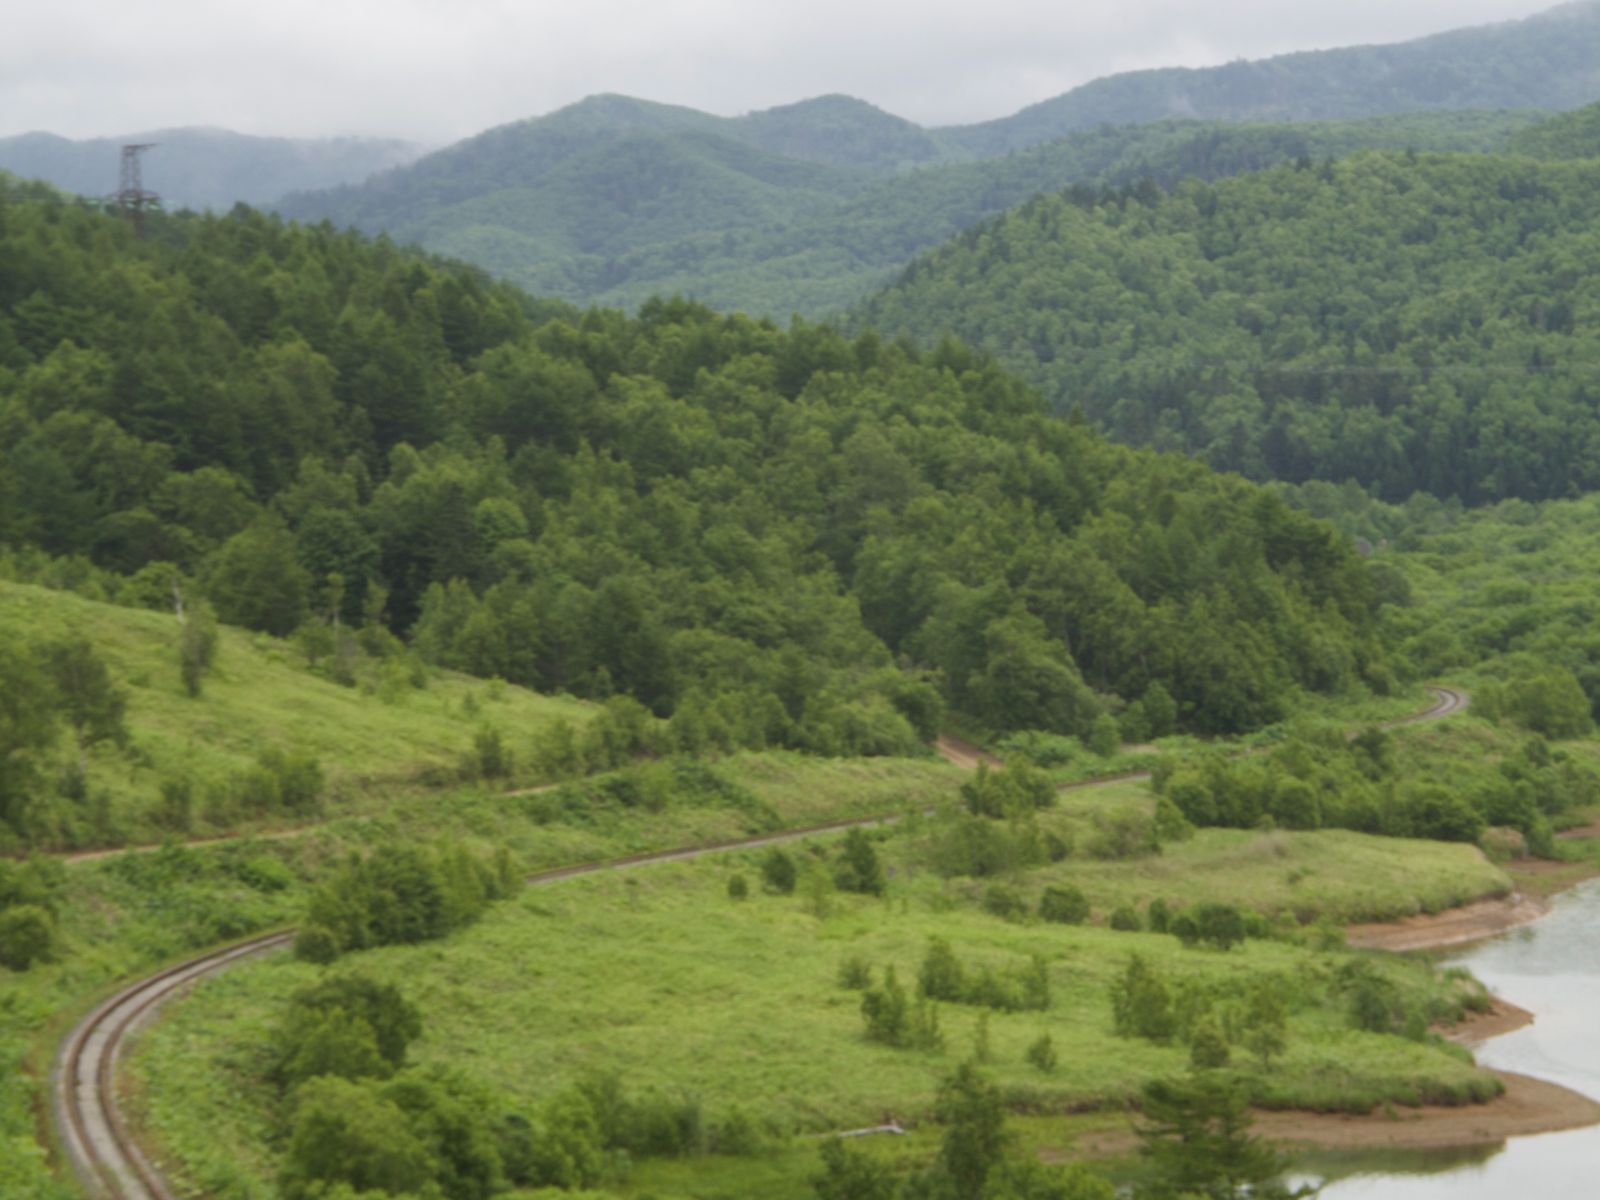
(441, 69)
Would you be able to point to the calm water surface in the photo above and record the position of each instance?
(1552, 968)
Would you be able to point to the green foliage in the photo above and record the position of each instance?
(1294, 329)
(850, 1175)
(1196, 1140)
(1041, 1053)
(858, 868)
(1208, 1045)
(1064, 903)
(1141, 1005)
(1125, 918)
(805, 208)
(399, 894)
(344, 1132)
(943, 976)
(197, 647)
(27, 936)
(778, 871)
(752, 534)
(738, 887)
(348, 1026)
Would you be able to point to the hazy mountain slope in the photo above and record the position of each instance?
(1414, 323)
(833, 260)
(204, 168)
(1550, 60)
(1571, 135)
(613, 201)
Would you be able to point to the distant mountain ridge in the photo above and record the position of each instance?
(204, 168)
(808, 207)
(1549, 60)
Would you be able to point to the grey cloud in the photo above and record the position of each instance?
(441, 69)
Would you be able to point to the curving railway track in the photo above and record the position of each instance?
(83, 1084)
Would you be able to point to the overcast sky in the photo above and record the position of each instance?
(437, 70)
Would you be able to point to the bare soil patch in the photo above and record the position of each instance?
(1453, 927)
(1528, 1106)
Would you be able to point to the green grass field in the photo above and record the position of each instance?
(372, 741)
(657, 975)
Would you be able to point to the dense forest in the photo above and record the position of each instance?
(613, 200)
(771, 536)
(1409, 321)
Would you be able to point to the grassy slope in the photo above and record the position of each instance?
(260, 695)
(658, 975)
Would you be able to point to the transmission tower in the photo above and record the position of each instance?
(132, 199)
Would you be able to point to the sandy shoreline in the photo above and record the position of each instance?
(1453, 927)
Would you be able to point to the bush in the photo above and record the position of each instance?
(344, 1132)
(1158, 917)
(27, 936)
(1042, 1053)
(778, 872)
(1125, 918)
(858, 868)
(855, 974)
(1004, 902)
(738, 887)
(1065, 904)
(491, 758)
(348, 1026)
(1141, 1005)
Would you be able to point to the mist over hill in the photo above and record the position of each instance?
(202, 168)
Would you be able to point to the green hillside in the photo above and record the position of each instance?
(613, 201)
(764, 537)
(1412, 322)
(194, 764)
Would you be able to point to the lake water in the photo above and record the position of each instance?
(1551, 968)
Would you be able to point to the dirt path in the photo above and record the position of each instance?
(963, 754)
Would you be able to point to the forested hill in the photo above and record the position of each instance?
(205, 168)
(768, 536)
(1413, 322)
(613, 201)
(1544, 61)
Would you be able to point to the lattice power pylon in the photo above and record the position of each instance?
(132, 199)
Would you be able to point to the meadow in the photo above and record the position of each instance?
(656, 975)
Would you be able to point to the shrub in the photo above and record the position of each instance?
(778, 872)
(942, 976)
(491, 758)
(1105, 739)
(1208, 1047)
(855, 974)
(1141, 1005)
(1042, 1053)
(738, 887)
(344, 1132)
(1126, 919)
(27, 936)
(858, 868)
(1158, 917)
(1004, 902)
(885, 1012)
(1064, 904)
(348, 1026)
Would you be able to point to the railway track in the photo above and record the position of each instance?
(107, 1159)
